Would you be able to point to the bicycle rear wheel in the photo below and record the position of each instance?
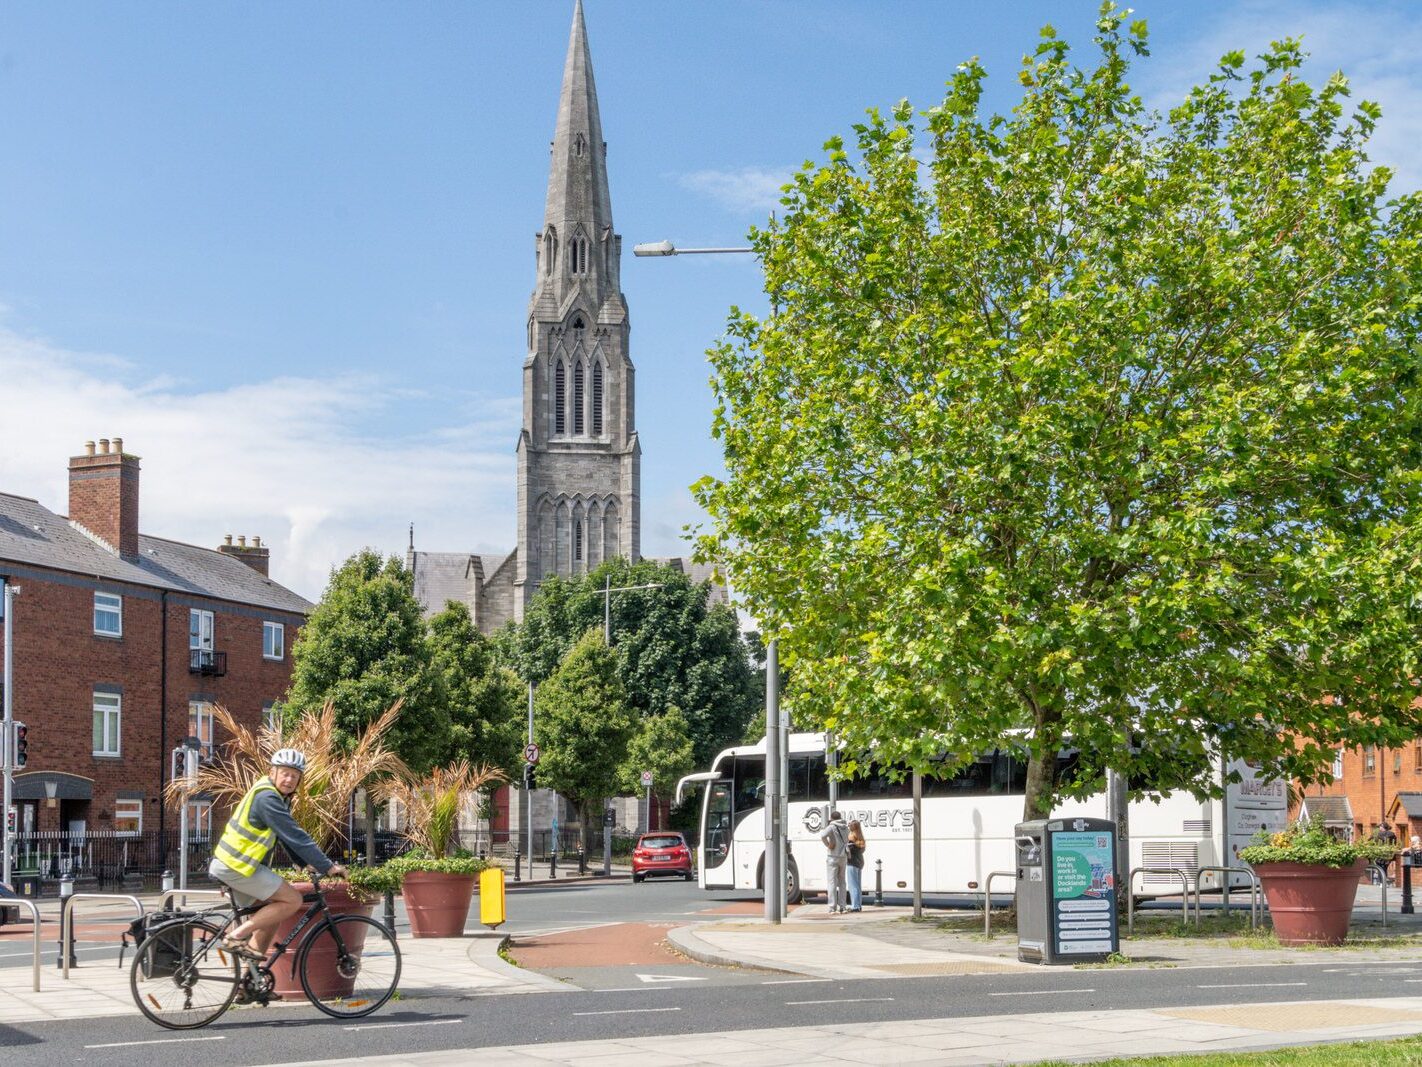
(349, 966)
(182, 977)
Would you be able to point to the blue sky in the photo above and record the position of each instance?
(285, 250)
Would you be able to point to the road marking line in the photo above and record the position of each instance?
(1040, 992)
(652, 978)
(102, 948)
(845, 1000)
(387, 1026)
(1250, 985)
(635, 989)
(625, 1011)
(797, 981)
(158, 1041)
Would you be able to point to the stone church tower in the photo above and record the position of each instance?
(578, 456)
(579, 462)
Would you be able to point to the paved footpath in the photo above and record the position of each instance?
(1078, 1036)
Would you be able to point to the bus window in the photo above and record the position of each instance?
(876, 783)
(807, 779)
(716, 831)
(749, 783)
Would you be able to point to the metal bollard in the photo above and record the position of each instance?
(390, 912)
(553, 862)
(518, 860)
(1405, 863)
(66, 890)
(481, 854)
(582, 860)
(878, 883)
(167, 881)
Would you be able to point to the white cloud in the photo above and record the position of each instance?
(745, 191)
(307, 464)
(1374, 45)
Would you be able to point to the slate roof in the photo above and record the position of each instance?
(444, 576)
(1411, 803)
(1335, 810)
(32, 534)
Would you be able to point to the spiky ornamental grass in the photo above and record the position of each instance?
(331, 778)
(432, 803)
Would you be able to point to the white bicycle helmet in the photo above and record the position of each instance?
(289, 757)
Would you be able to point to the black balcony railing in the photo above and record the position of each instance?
(207, 661)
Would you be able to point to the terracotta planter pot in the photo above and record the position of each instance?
(437, 903)
(325, 980)
(1310, 904)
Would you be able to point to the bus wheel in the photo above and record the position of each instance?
(792, 884)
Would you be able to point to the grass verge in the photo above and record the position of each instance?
(1394, 1053)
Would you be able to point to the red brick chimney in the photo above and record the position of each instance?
(103, 494)
(254, 555)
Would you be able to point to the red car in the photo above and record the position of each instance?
(661, 853)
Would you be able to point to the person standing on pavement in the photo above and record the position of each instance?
(836, 841)
(855, 868)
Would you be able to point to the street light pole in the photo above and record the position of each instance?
(607, 590)
(666, 248)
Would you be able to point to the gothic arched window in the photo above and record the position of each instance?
(578, 397)
(597, 399)
(578, 255)
(560, 400)
(578, 540)
(550, 249)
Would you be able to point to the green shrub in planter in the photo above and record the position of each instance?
(1309, 841)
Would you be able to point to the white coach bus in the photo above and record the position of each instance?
(968, 821)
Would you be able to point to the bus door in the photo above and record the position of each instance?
(716, 831)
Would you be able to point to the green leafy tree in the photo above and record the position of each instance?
(672, 647)
(485, 701)
(663, 746)
(363, 648)
(584, 726)
(1088, 424)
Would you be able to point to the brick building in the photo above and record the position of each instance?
(1372, 787)
(123, 643)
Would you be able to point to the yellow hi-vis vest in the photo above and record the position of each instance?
(243, 847)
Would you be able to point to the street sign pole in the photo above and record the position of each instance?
(647, 782)
(7, 729)
(774, 876)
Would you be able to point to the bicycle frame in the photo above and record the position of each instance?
(316, 898)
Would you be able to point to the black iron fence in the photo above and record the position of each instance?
(111, 861)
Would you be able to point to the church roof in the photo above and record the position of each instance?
(444, 576)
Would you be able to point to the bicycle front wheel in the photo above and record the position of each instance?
(349, 966)
(182, 977)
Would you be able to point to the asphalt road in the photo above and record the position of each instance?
(258, 1036)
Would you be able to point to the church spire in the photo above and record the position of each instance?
(577, 218)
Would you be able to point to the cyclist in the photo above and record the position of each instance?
(239, 860)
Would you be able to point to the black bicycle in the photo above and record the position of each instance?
(183, 977)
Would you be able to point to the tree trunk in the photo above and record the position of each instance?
(1042, 762)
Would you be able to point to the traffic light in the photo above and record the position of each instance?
(22, 743)
(530, 779)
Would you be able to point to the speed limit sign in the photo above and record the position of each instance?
(530, 753)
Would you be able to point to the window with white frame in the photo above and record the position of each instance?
(273, 640)
(200, 725)
(1338, 765)
(128, 815)
(200, 636)
(199, 819)
(108, 615)
(271, 716)
(1370, 760)
(108, 709)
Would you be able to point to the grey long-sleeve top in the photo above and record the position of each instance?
(270, 809)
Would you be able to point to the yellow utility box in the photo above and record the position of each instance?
(491, 897)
